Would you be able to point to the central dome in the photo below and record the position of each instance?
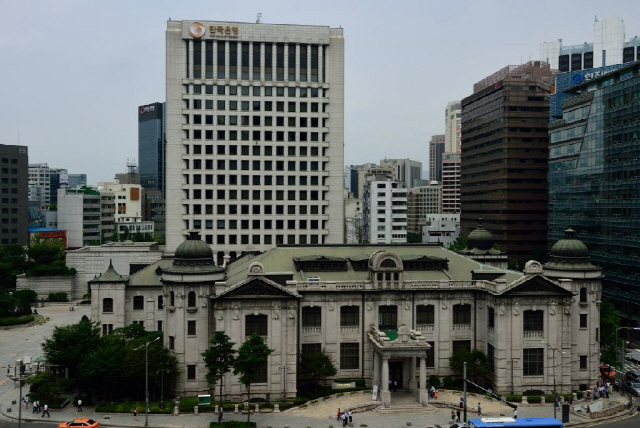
(193, 249)
(480, 238)
(569, 247)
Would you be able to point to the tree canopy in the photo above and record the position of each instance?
(477, 362)
(314, 367)
(609, 323)
(252, 356)
(219, 359)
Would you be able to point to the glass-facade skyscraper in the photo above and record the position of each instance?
(594, 179)
(151, 146)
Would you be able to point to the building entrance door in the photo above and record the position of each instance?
(395, 374)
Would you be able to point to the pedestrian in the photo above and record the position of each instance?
(135, 413)
(79, 405)
(432, 391)
(461, 402)
(338, 415)
(395, 386)
(35, 407)
(458, 416)
(606, 391)
(515, 413)
(344, 419)
(46, 410)
(479, 409)
(453, 415)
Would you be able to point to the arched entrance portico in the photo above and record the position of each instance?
(394, 355)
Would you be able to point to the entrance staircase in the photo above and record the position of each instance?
(403, 409)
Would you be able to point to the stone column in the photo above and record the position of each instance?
(376, 370)
(412, 374)
(385, 394)
(423, 396)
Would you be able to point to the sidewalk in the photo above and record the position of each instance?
(314, 416)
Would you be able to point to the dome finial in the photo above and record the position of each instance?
(194, 235)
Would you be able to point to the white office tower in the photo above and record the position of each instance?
(255, 133)
(452, 133)
(385, 211)
(406, 170)
(608, 48)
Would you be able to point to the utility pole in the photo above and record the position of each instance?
(555, 393)
(464, 389)
(20, 376)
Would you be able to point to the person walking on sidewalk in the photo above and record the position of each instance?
(515, 413)
(135, 413)
(46, 410)
(79, 405)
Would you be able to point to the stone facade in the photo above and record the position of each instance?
(343, 299)
(43, 285)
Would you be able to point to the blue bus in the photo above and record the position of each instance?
(503, 422)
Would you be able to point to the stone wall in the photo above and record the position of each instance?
(43, 285)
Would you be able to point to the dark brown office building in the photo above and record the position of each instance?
(504, 158)
(14, 195)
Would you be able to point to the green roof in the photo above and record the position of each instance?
(281, 259)
(391, 334)
(110, 275)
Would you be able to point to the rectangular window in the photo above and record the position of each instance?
(107, 305)
(312, 316)
(160, 302)
(191, 328)
(349, 316)
(221, 58)
(583, 362)
(260, 373)
(107, 329)
(492, 314)
(583, 320)
(388, 317)
(461, 314)
(159, 326)
(424, 314)
(349, 356)
(138, 303)
(491, 356)
(191, 372)
(172, 343)
(461, 344)
(533, 320)
(430, 359)
(310, 348)
(533, 362)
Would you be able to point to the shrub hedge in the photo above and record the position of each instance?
(128, 406)
(6, 321)
(58, 297)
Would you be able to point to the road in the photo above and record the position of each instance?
(18, 342)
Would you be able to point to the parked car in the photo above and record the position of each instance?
(633, 356)
(632, 388)
(80, 422)
(633, 376)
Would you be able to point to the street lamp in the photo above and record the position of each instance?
(146, 377)
(20, 376)
(623, 342)
(555, 394)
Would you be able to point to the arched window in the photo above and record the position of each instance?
(172, 298)
(255, 324)
(191, 299)
(379, 275)
(388, 263)
(583, 295)
(107, 305)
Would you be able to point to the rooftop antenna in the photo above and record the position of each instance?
(132, 168)
(259, 18)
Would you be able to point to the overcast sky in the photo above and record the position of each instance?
(74, 71)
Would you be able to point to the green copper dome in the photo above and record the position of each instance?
(569, 247)
(480, 238)
(193, 251)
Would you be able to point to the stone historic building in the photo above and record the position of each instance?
(382, 312)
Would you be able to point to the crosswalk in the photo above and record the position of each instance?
(628, 365)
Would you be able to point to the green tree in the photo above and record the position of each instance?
(252, 355)
(459, 244)
(414, 238)
(68, 345)
(609, 323)
(314, 367)
(12, 263)
(219, 359)
(132, 331)
(104, 368)
(477, 362)
(46, 253)
(24, 300)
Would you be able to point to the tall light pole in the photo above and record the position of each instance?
(20, 376)
(555, 394)
(464, 388)
(146, 378)
(623, 343)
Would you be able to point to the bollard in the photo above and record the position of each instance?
(176, 410)
(195, 410)
(276, 408)
(236, 409)
(257, 409)
(543, 400)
